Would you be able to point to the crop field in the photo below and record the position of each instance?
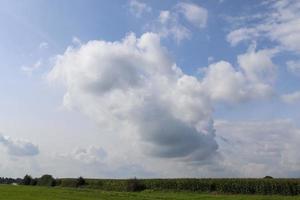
(10, 192)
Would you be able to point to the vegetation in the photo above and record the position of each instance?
(46, 180)
(27, 180)
(134, 185)
(9, 192)
(80, 182)
(263, 186)
(225, 186)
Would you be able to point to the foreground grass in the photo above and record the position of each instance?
(8, 192)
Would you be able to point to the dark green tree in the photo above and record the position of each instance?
(46, 180)
(80, 182)
(135, 185)
(26, 180)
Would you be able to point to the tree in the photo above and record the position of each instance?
(134, 185)
(46, 180)
(27, 180)
(268, 177)
(33, 181)
(80, 182)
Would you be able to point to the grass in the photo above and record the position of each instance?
(8, 192)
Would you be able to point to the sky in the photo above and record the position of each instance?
(150, 89)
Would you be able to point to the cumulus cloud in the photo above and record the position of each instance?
(252, 80)
(253, 148)
(279, 25)
(19, 148)
(138, 8)
(135, 88)
(135, 81)
(292, 97)
(258, 65)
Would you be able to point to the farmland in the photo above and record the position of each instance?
(9, 192)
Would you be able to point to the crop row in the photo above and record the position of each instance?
(232, 186)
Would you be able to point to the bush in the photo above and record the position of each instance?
(46, 180)
(134, 185)
(26, 180)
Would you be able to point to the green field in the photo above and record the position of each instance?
(8, 192)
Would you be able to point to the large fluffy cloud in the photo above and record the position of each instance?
(134, 88)
(134, 85)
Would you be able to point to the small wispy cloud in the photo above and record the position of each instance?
(293, 66)
(138, 8)
(19, 148)
(291, 98)
(177, 22)
(194, 14)
(43, 45)
(30, 69)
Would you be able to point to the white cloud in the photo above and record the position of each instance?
(31, 69)
(210, 59)
(135, 83)
(43, 45)
(253, 80)
(195, 14)
(138, 8)
(169, 26)
(258, 65)
(171, 23)
(18, 148)
(88, 155)
(292, 97)
(279, 25)
(256, 149)
(242, 34)
(135, 92)
(293, 66)
(76, 41)
(164, 16)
